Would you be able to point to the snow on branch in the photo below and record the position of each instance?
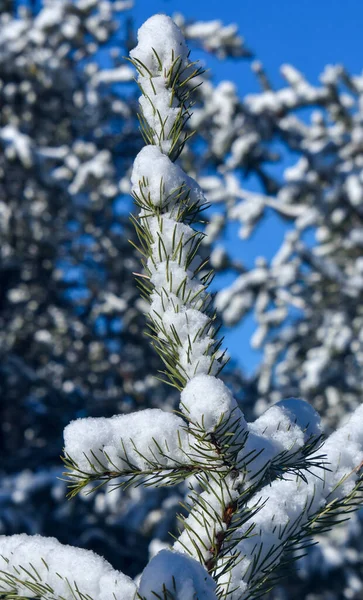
(164, 72)
(214, 37)
(176, 576)
(211, 435)
(169, 202)
(40, 567)
(292, 510)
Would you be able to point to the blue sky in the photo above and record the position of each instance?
(306, 33)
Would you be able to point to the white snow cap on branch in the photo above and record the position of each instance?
(63, 569)
(159, 36)
(157, 66)
(154, 436)
(289, 423)
(279, 433)
(183, 577)
(137, 438)
(161, 180)
(207, 401)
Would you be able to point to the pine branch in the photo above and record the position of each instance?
(169, 202)
(301, 537)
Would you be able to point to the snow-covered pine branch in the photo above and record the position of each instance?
(39, 567)
(256, 490)
(169, 202)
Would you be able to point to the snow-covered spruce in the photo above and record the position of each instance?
(162, 238)
(218, 436)
(238, 526)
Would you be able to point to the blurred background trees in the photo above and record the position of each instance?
(71, 321)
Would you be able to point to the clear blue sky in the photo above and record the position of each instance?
(306, 33)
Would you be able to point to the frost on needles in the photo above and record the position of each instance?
(256, 490)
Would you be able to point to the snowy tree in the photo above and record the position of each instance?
(71, 321)
(307, 298)
(72, 345)
(256, 491)
(60, 227)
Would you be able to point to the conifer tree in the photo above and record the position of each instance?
(71, 319)
(257, 490)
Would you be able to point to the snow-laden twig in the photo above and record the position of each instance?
(169, 202)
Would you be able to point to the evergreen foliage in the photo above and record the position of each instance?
(256, 490)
